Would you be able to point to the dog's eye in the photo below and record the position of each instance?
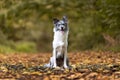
(63, 24)
(58, 24)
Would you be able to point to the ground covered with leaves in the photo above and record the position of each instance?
(84, 66)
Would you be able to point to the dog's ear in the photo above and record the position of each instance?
(65, 19)
(55, 20)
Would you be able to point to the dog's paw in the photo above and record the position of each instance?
(47, 65)
(66, 67)
(54, 66)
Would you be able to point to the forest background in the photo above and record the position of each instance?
(27, 25)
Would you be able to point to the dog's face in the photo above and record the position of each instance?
(60, 25)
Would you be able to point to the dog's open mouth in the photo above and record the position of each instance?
(62, 29)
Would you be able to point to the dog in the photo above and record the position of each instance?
(60, 44)
(60, 41)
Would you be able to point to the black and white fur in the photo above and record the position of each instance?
(60, 43)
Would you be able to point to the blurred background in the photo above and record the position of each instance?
(27, 26)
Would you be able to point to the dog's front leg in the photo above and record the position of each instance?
(65, 58)
(54, 58)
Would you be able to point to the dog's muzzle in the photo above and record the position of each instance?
(62, 29)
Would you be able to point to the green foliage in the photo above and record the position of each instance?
(6, 49)
(92, 23)
(25, 47)
(18, 47)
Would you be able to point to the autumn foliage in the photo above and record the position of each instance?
(84, 66)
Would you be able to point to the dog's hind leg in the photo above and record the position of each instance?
(50, 64)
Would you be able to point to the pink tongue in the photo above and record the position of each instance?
(62, 31)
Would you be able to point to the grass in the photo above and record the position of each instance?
(18, 47)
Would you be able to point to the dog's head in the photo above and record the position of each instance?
(60, 25)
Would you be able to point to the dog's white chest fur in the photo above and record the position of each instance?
(60, 39)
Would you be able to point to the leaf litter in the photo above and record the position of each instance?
(84, 66)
